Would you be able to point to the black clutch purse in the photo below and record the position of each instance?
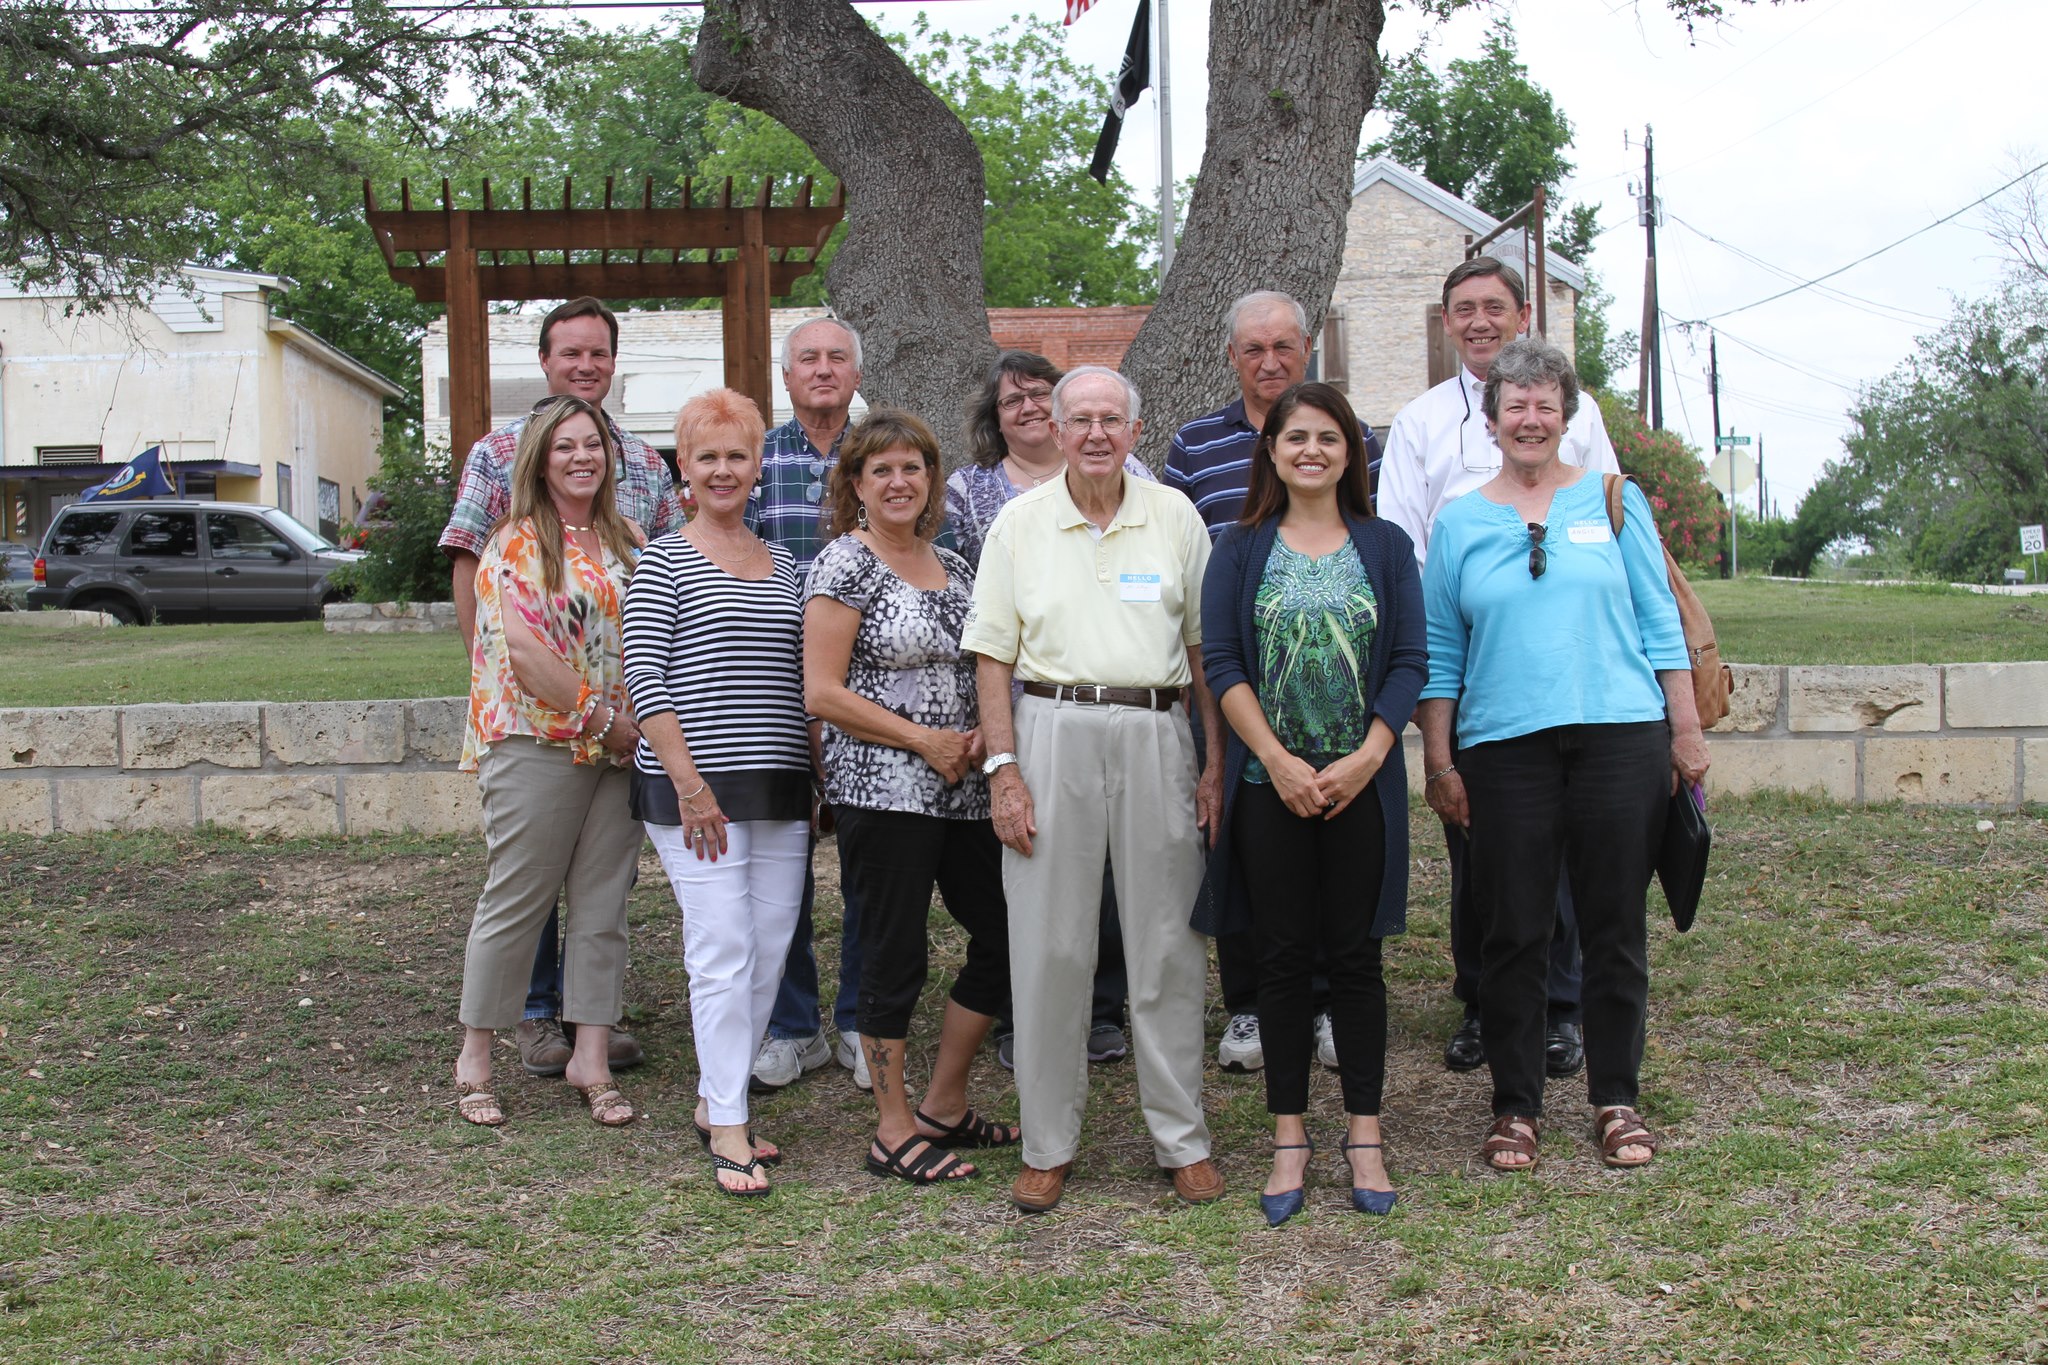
(1682, 860)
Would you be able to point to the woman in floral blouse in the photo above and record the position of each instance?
(549, 731)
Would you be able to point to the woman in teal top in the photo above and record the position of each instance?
(1555, 646)
(1312, 640)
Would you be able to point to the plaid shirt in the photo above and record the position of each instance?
(788, 503)
(646, 490)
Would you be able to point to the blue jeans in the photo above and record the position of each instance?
(544, 988)
(796, 1001)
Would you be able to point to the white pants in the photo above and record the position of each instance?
(739, 914)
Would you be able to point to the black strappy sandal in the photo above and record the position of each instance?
(971, 1131)
(932, 1166)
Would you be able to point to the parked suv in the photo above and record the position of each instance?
(192, 561)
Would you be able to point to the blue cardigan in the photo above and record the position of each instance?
(1395, 674)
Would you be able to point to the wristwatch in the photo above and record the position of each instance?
(995, 761)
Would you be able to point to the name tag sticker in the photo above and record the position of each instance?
(1589, 532)
(1138, 587)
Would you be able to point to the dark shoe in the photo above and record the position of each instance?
(1377, 1202)
(933, 1164)
(1512, 1135)
(1039, 1191)
(1466, 1051)
(1618, 1126)
(752, 1171)
(1564, 1049)
(624, 1050)
(1106, 1043)
(1198, 1182)
(1006, 1051)
(1280, 1207)
(543, 1048)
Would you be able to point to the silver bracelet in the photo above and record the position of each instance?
(1445, 772)
(701, 785)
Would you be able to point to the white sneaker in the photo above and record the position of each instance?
(1240, 1049)
(854, 1058)
(782, 1060)
(1326, 1042)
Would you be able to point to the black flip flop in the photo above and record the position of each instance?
(704, 1136)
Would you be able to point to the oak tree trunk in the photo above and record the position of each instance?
(1289, 84)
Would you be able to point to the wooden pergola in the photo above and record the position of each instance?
(742, 253)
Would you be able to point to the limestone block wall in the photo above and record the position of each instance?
(279, 768)
(388, 618)
(1937, 734)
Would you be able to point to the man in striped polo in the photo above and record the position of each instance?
(1267, 344)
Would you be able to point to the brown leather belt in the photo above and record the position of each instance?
(1088, 694)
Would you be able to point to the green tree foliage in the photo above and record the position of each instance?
(402, 560)
(1052, 236)
(1949, 452)
(1674, 480)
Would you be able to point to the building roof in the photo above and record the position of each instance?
(1510, 247)
(334, 357)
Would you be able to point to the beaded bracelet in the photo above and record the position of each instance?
(609, 721)
(1446, 772)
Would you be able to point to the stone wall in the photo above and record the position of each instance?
(388, 618)
(280, 768)
(1952, 735)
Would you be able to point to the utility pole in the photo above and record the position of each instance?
(1714, 397)
(1760, 478)
(1650, 391)
(1164, 84)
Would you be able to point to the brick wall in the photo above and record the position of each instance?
(1069, 336)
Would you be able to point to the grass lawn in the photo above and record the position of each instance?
(227, 1133)
(1760, 622)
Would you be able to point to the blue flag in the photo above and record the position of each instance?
(141, 477)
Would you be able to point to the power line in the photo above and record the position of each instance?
(1872, 306)
(1916, 232)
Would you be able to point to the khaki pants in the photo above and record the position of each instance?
(555, 828)
(1114, 781)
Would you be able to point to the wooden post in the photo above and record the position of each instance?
(746, 312)
(1536, 228)
(469, 347)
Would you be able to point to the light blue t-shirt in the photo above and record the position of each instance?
(1582, 645)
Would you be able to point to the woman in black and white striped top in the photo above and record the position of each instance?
(713, 641)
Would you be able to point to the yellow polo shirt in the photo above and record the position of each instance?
(1065, 606)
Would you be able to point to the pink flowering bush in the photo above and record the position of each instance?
(1673, 478)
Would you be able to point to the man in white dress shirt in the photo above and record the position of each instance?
(1439, 449)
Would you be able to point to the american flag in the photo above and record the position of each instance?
(1077, 8)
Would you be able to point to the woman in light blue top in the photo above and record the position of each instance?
(1555, 646)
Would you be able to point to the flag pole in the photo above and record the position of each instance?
(1164, 82)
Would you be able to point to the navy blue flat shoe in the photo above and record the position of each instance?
(1377, 1202)
(1280, 1207)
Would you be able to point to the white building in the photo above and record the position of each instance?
(247, 406)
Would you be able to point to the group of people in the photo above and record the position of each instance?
(1106, 717)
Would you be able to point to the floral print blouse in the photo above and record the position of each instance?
(579, 625)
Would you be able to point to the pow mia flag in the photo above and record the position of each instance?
(1131, 80)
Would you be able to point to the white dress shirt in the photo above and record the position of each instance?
(1439, 449)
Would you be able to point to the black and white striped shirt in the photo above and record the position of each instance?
(725, 655)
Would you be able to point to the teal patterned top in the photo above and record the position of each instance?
(1315, 618)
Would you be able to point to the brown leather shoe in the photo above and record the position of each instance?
(1199, 1183)
(1039, 1191)
(543, 1048)
(624, 1050)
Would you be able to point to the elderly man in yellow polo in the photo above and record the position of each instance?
(1089, 596)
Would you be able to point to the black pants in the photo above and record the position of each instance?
(1315, 890)
(1562, 984)
(1592, 799)
(892, 859)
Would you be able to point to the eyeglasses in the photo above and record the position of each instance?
(1112, 427)
(1021, 397)
(1538, 560)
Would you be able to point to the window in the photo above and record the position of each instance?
(165, 535)
(83, 533)
(236, 536)
(284, 487)
(330, 508)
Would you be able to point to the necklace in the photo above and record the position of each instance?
(1036, 479)
(704, 543)
(567, 527)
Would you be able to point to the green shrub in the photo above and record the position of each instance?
(402, 561)
(1674, 480)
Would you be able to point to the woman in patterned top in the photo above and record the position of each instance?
(549, 728)
(1312, 609)
(884, 671)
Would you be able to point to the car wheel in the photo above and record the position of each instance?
(120, 608)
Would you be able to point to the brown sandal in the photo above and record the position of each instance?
(479, 1106)
(1618, 1126)
(606, 1101)
(1511, 1135)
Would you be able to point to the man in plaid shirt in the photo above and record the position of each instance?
(821, 371)
(579, 344)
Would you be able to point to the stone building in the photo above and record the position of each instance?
(247, 406)
(1401, 238)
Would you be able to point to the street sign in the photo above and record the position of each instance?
(1744, 471)
(2030, 540)
(1731, 440)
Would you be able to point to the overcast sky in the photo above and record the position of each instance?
(1806, 135)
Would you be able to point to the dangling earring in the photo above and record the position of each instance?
(860, 518)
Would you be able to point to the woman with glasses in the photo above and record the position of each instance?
(1555, 649)
(1016, 448)
(1313, 641)
(713, 628)
(549, 733)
